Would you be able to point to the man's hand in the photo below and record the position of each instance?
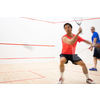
(79, 30)
(91, 48)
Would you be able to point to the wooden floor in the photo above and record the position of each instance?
(44, 73)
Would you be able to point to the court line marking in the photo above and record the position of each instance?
(26, 70)
(82, 20)
(36, 73)
(38, 20)
(59, 22)
(27, 44)
(25, 79)
(68, 70)
(20, 80)
(82, 72)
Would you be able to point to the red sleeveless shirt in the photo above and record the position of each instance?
(68, 48)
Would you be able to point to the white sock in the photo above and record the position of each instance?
(62, 74)
(87, 76)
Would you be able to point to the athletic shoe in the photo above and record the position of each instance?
(90, 81)
(93, 69)
(60, 81)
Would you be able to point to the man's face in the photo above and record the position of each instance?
(68, 29)
(92, 30)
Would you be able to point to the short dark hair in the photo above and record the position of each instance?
(68, 24)
(93, 27)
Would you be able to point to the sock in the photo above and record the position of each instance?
(62, 74)
(87, 76)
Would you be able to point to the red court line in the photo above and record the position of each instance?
(74, 21)
(25, 79)
(82, 72)
(36, 74)
(23, 71)
(21, 80)
(68, 70)
(27, 44)
(27, 58)
(61, 21)
(38, 20)
(27, 70)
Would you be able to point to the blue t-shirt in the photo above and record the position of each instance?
(95, 35)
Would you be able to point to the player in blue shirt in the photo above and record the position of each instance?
(96, 55)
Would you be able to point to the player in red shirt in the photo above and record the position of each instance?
(69, 42)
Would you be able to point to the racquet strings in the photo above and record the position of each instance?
(78, 20)
(80, 50)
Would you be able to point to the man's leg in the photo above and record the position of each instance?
(63, 60)
(85, 71)
(62, 67)
(95, 56)
(84, 68)
(95, 62)
(95, 65)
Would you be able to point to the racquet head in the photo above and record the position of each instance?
(78, 20)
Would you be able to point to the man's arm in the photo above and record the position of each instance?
(74, 39)
(92, 45)
(88, 42)
(94, 41)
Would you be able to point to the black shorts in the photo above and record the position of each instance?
(73, 58)
(96, 53)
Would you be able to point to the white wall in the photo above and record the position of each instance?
(18, 30)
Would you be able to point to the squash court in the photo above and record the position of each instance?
(30, 48)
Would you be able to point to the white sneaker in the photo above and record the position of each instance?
(90, 81)
(60, 81)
